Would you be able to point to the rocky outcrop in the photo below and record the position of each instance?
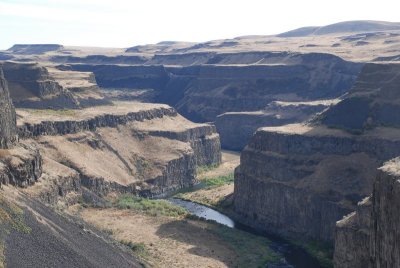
(8, 128)
(203, 139)
(177, 174)
(63, 127)
(236, 128)
(375, 97)
(20, 166)
(298, 180)
(352, 238)
(81, 85)
(369, 237)
(34, 86)
(31, 86)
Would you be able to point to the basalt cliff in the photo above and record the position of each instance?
(8, 130)
(32, 85)
(298, 180)
(369, 236)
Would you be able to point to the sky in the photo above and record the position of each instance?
(125, 23)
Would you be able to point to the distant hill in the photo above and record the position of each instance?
(343, 27)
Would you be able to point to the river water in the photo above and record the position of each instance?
(294, 256)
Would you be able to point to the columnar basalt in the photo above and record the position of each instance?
(237, 128)
(20, 166)
(298, 180)
(8, 129)
(147, 149)
(369, 237)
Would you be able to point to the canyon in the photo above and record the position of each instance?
(318, 172)
(313, 113)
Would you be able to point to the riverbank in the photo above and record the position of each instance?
(216, 184)
(179, 240)
(161, 234)
(216, 191)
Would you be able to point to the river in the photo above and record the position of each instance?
(294, 256)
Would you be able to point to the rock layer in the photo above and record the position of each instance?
(204, 90)
(146, 149)
(302, 183)
(369, 237)
(375, 97)
(7, 115)
(31, 85)
(298, 180)
(20, 166)
(237, 128)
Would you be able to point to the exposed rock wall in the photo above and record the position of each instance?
(204, 140)
(352, 238)
(116, 76)
(8, 128)
(148, 150)
(369, 237)
(31, 86)
(300, 179)
(20, 166)
(35, 86)
(177, 174)
(106, 120)
(301, 184)
(237, 128)
(385, 217)
(375, 96)
(100, 59)
(203, 91)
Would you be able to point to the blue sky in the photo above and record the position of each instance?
(124, 23)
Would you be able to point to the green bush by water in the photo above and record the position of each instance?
(150, 207)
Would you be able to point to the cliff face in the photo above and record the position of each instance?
(376, 98)
(369, 237)
(299, 180)
(237, 128)
(385, 217)
(20, 166)
(33, 86)
(201, 92)
(135, 77)
(146, 149)
(7, 115)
